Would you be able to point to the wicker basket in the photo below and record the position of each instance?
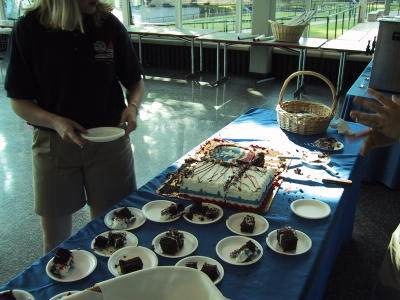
(305, 117)
(287, 33)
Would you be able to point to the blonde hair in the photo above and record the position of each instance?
(66, 14)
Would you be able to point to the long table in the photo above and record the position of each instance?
(383, 164)
(274, 276)
(230, 38)
(187, 35)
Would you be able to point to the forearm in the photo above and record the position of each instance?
(33, 114)
(135, 94)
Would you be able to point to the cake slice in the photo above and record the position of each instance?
(123, 218)
(116, 239)
(248, 223)
(172, 242)
(172, 211)
(130, 265)
(191, 264)
(287, 238)
(101, 243)
(211, 271)
(245, 253)
(7, 296)
(62, 262)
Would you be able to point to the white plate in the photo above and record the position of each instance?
(190, 244)
(197, 219)
(304, 243)
(337, 145)
(84, 264)
(152, 211)
(20, 294)
(200, 261)
(103, 134)
(140, 218)
(312, 159)
(231, 243)
(233, 224)
(64, 294)
(310, 209)
(131, 240)
(148, 257)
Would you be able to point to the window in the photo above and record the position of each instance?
(158, 12)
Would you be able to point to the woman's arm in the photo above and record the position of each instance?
(134, 98)
(33, 114)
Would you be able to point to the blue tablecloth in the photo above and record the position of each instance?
(275, 276)
(382, 165)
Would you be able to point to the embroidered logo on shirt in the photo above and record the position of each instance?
(103, 51)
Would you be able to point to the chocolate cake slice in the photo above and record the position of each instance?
(203, 211)
(172, 211)
(245, 253)
(7, 296)
(172, 242)
(211, 271)
(248, 223)
(116, 239)
(287, 238)
(130, 265)
(62, 262)
(100, 243)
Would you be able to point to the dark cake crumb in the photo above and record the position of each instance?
(173, 210)
(191, 264)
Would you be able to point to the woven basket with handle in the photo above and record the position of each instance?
(305, 117)
(287, 33)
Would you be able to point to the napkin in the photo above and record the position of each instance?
(162, 283)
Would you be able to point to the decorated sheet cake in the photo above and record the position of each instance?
(227, 173)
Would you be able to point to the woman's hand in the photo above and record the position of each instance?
(129, 119)
(69, 130)
(385, 116)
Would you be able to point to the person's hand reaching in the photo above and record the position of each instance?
(69, 130)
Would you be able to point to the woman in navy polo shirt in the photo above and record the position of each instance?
(68, 61)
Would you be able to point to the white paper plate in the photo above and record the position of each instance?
(20, 294)
(233, 224)
(231, 243)
(312, 159)
(336, 146)
(83, 265)
(131, 240)
(190, 244)
(198, 219)
(304, 243)
(148, 257)
(64, 294)
(103, 134)
(200, 261)
(310, 209)
(152, 211)
(140, 218)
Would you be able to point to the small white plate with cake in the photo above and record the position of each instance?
(64, 294)
(131, 259)
(239, 250)
(162, 211)
(108, 242)
(248, 224)
(288, 241)
(212, 268)
(310, 208)
(124, 218)
(175, 243)
(203, 213)
(329, 144)
(71, 265)
(17, 294)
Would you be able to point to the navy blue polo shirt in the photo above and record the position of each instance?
(72, 74)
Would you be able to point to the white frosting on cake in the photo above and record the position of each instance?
(227, 182)
(118, 223)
